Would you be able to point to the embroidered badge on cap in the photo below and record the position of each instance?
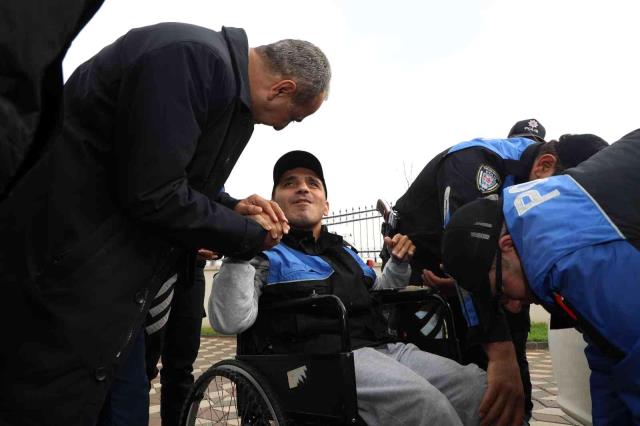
(488, 180)
(532, 126)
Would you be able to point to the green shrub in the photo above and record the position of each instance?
(538, 332)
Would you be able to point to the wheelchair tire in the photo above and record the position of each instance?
(231, 393)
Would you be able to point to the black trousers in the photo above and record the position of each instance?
(178, 344)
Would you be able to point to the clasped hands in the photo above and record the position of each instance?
(267, 214)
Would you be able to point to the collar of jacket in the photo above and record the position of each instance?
(303, 241)
(239, 50)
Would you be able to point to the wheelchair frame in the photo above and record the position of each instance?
(301, 388)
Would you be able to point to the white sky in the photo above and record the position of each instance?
(411, 78)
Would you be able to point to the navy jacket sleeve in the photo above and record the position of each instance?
(462, 177)
(165, 99)
(226, 200)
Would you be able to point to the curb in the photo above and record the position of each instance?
(533, 346)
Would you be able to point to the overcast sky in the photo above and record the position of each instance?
(411, 78)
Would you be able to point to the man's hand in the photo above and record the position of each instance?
(274, 230)
(204, 254)
(503, 402)
(400, 247)
(256, 205)
(446, 286)
(512, 305)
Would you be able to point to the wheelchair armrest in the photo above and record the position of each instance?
(317, 300)
(406, 294)
(414, 294)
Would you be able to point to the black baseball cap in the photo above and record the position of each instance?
(574, 149)
(295, 159)
(530, 128)
(470, 243)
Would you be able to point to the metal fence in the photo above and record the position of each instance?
(360, 227)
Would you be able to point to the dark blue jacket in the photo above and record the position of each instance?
(34, 38)
(153, 126)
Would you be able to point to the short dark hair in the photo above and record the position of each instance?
(551, 148)
(301, 61)
(571, 150)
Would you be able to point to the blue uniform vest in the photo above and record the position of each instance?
(293, 274)
(287, 265)
(507, 149)
(569, 246)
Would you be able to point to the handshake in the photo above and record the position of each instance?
(267, 213)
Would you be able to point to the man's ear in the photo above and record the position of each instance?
(282, 88)
(544, 166)
(325, 210)
(505, 243)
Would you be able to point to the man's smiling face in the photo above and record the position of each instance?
(301, 196)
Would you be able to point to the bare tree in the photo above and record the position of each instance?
(408, 177)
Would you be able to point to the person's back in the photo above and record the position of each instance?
(34, 38)
(95, 92)
(111, 114)
(464, 171)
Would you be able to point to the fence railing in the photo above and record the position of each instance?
(360, 227)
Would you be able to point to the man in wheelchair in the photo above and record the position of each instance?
(396, 383)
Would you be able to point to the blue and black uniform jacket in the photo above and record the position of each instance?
(299, 267)
(459, 175)
(578, 237)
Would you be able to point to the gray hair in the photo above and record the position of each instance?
(302, 62)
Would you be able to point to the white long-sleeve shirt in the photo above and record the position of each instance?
(233, 302)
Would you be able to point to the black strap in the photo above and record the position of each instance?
(606, 347)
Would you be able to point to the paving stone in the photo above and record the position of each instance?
(550, 402)
(551, 411)
(550, 418)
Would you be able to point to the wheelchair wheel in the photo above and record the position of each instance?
(231, 393)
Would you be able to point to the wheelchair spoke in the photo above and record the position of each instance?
(229, 395)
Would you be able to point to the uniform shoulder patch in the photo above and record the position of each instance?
(487, 179)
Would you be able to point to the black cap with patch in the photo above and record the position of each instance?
(530, 128)
(470, 242)
(574, 149)
(294, 159)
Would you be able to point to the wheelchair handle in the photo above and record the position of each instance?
(390, 217)
(315, 299)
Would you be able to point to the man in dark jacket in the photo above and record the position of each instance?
(572, 244)
(153, 125)
(34, 38)
(455, 177)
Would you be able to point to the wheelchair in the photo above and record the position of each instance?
(306, 388)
